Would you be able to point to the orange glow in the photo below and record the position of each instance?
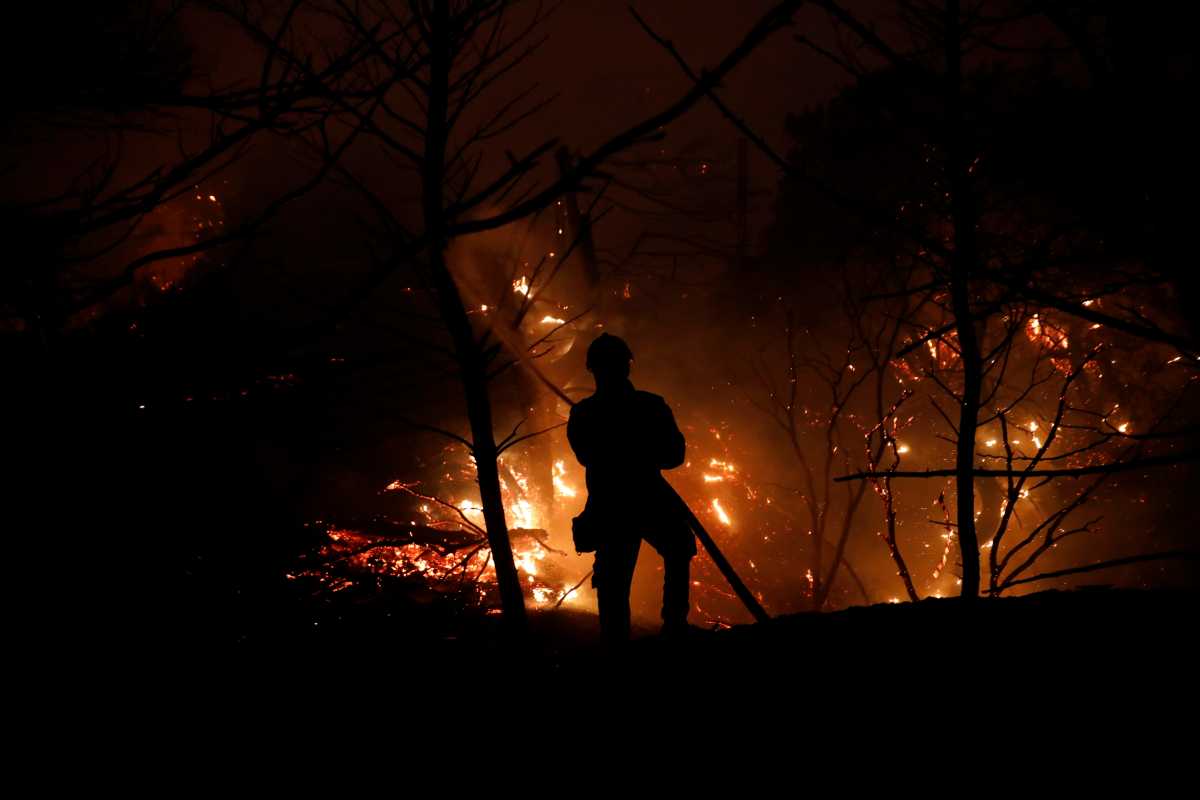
(1046, 334)
(561, 487)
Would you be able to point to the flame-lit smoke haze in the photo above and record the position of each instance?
(763, 320)
(742, 477)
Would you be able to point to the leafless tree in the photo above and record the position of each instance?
(983, 276)
(430, 97)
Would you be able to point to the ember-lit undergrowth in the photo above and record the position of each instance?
(424, 529)
(434, 542)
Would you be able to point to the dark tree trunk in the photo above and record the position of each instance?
(538, 408)
(472, 361)
(962, 260)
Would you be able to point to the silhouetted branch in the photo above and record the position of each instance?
(1149, 461)
(1185, 555)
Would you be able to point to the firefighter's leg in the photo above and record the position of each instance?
(615, 563)
(676, 583)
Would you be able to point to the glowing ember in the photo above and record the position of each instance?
(1047, 335)
(471, 511)
(561, 487)
(550, 320)
(521, 286)
(720, 512)
(521, 514)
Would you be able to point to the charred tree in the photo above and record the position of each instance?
(472, 361)
(962, 265)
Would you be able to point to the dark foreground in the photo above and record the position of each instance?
(1015, 661)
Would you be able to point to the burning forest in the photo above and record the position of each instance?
(305, 297)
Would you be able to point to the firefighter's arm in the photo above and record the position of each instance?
(672, 449)
(577, 438)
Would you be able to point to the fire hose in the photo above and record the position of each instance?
(739, 587)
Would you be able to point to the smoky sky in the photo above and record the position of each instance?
(604, 74)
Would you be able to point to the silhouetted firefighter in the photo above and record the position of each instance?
(624, 438)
